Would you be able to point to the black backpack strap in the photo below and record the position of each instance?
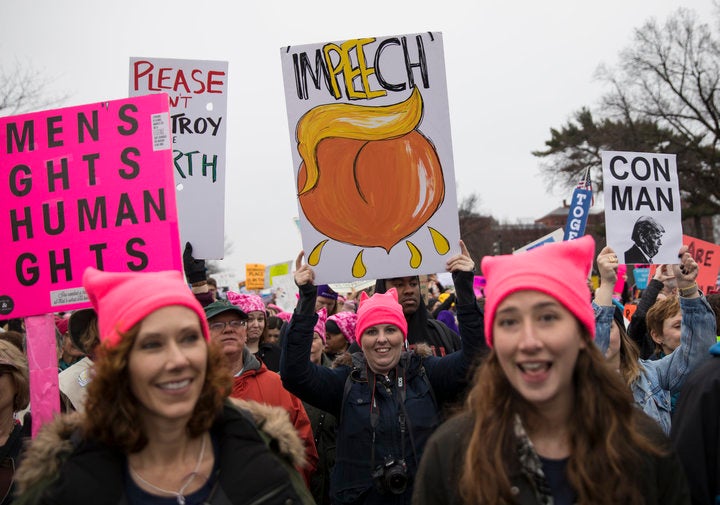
(346, 392)
(447, 336)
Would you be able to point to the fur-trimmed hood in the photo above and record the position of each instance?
(57, 440)
(275, 423)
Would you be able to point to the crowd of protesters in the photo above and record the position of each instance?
(536, 391)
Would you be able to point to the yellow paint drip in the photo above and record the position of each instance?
(314, 257)
(442, 246)
(358, 268)
(415, 255)
(350, 121)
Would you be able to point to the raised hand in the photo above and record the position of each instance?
(304, 274)
(460, 262)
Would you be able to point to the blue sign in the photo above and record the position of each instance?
(578, 213)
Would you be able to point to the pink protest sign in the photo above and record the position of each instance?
(84, 186)
(707, 256)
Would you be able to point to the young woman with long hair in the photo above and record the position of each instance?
(547, 420)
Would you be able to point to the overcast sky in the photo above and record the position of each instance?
(514, 70)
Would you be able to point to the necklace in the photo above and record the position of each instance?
(180, 493)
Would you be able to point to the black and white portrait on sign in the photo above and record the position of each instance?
(647, 240)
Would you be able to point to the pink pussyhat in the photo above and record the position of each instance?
(380, 308)
(123, 299)
(247, 302)
(346, 321)
(558, 269)
(320, 325)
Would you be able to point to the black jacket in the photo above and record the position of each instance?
(662, 479)
(61, 467)
(634, 255)
(696, 430)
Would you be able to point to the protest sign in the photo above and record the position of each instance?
(197, 91)
(554, 236)
(254, 276)
(628, 310)
(479, 283)
(707, 257)
(285, 291)
(372, 155)
(84, 186)
(642, 206)
(580, 203)
(276, 270)
(641, 275)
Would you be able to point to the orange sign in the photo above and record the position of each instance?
(254, 276)
(707, 256)
(629, 310)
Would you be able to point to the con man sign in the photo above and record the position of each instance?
(642, 206)
(83, 186)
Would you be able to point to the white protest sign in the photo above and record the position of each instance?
(555, 236)
(198, 114)
(372, 156)
(286, 292)
(643, 218)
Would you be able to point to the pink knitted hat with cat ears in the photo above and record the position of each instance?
(320, 325)
(380, 308)
(122, 300)
(247, 302)
(558, 269)
(346, 321)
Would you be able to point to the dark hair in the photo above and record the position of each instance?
(212, 282)
(274, 323)
(332, 327)
(112, 409)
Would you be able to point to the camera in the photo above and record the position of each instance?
(391, 476)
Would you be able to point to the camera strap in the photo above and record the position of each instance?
(403, 418)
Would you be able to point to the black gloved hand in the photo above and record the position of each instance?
(194, 269)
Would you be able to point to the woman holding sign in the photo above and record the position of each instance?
(386, 400)
(654, 383)
(157, 428)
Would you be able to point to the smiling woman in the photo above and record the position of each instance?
(547, 421)
(387, 400)
(156, 424)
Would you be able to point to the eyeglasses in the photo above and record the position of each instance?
(235, 324)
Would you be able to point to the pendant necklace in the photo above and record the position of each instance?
(180, 493)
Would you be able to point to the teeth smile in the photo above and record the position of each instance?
(175, 385)
(533, 367)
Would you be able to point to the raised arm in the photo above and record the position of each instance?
(450, 373)
(697, 333)
(317, 385)
(607, 264)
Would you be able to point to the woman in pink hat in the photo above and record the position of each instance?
(257, 328)
(547, 420)
(157, 427)
(387, 400)
(340, 333)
